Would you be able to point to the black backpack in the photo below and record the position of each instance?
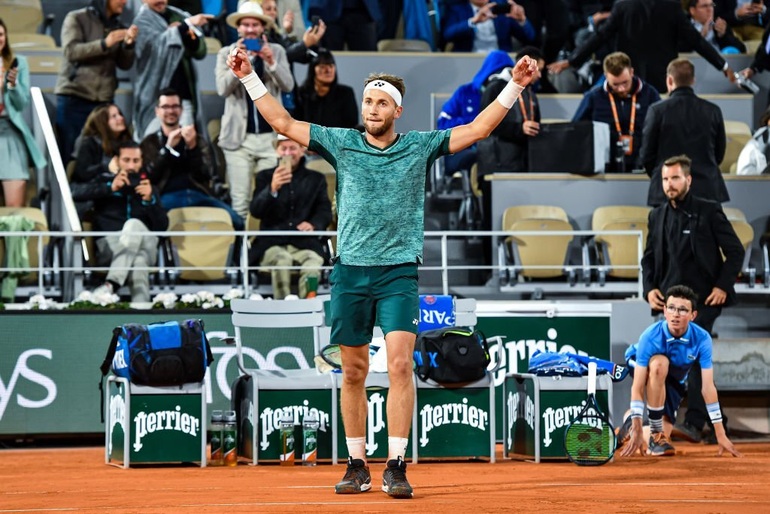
(451, 355)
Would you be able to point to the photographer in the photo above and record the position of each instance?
(125, 201)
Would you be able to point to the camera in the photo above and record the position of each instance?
(746, 84)
(133, 181)
(499, 9)
(253, 45)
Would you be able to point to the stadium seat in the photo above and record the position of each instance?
(22, 42)
(745, 233)
(197, 251)
(535, 256)
(613, 251)
(21, 15)
(738, 134)
(403, 45)
(213, 45)
(44, 64)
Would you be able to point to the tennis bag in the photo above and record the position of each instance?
(168, 353)
(451, 355)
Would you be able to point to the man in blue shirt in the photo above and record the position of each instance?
(660, 362)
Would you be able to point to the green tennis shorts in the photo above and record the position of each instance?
(363, 296)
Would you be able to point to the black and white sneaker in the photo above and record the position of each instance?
(357, 478)
(394, 479)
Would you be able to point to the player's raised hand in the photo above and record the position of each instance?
(524, 71)
(239, 62)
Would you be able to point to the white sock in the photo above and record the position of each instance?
(356, 447)
(397, 447)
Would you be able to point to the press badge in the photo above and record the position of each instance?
(628, 143)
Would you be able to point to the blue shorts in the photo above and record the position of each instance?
(363, 296)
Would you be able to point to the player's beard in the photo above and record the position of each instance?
(377, 131)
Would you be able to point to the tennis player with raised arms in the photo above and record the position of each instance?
(380, 204)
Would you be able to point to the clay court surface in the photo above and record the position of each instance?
(695, 480)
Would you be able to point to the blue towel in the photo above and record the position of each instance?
(436, 311)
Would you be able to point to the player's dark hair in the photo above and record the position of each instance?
(685, 293)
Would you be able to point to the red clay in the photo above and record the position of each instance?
(695, 480)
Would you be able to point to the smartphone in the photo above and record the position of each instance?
(253, 45)
(314, 20)
(15, 63)
(499, 9)
(285, 161)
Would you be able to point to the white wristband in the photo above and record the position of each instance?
(254, 86)
(509, 94)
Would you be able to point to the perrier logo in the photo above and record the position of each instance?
(434, 416)
(146, 423)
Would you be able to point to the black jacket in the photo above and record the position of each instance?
(710, 232)
(192, 169)
(113, 208)
(338, 108)
(649, 31)
(303, 199)
(685, 124)
(506, 148)
(761, 61)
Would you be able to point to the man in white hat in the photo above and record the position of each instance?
(246, 138)
(380, 212)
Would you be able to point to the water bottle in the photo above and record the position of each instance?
(217, 427)
(287, 441)
(230, 439)
(747, 84)
(310, 439)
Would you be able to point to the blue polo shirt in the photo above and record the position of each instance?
(682, 352)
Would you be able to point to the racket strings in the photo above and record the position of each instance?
(589, 440)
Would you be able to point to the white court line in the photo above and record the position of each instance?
(199, 505)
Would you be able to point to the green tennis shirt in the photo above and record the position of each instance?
(380, 192)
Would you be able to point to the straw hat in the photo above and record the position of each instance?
(249, 10)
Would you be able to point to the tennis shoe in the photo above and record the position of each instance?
(624, 432)
(357, 478)
(660, 446)
(686, 432)
(394, 479)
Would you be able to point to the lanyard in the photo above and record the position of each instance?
(617, 120)
(524, 111)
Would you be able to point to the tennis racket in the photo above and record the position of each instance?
(589, 440)
(332, 355)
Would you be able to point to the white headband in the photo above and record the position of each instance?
(387, 87)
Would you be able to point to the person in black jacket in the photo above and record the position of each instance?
(178, 161)
(321, 99)
(649, 31)
(685, 124)
(686, 240)
(290, 197)
(126, 202)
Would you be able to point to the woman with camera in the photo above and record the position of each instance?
(18, 150)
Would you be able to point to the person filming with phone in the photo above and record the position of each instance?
(290, 197)
(486, 25)
(126, 202)
(246, 138)
(19, 150)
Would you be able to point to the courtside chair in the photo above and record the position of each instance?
(540, 256)
(615, 252)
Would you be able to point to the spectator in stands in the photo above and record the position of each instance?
(761, 61)
(473, 26)
(622, 102)
(96, 150)
(350, 24)
(465, 103)
(178, 161)
(714, 30)
(649, 31)
(667, 352)
(585, 17)
(321, 99)
(290, 197)
(246, 138)
(550, 19)
(754, 156)
(687, 238)
(95, 44)
(506, 148)
(299, 50)
(18, 150)
(685, 124)
(748, 18)
(125, 201)
(168, 41)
